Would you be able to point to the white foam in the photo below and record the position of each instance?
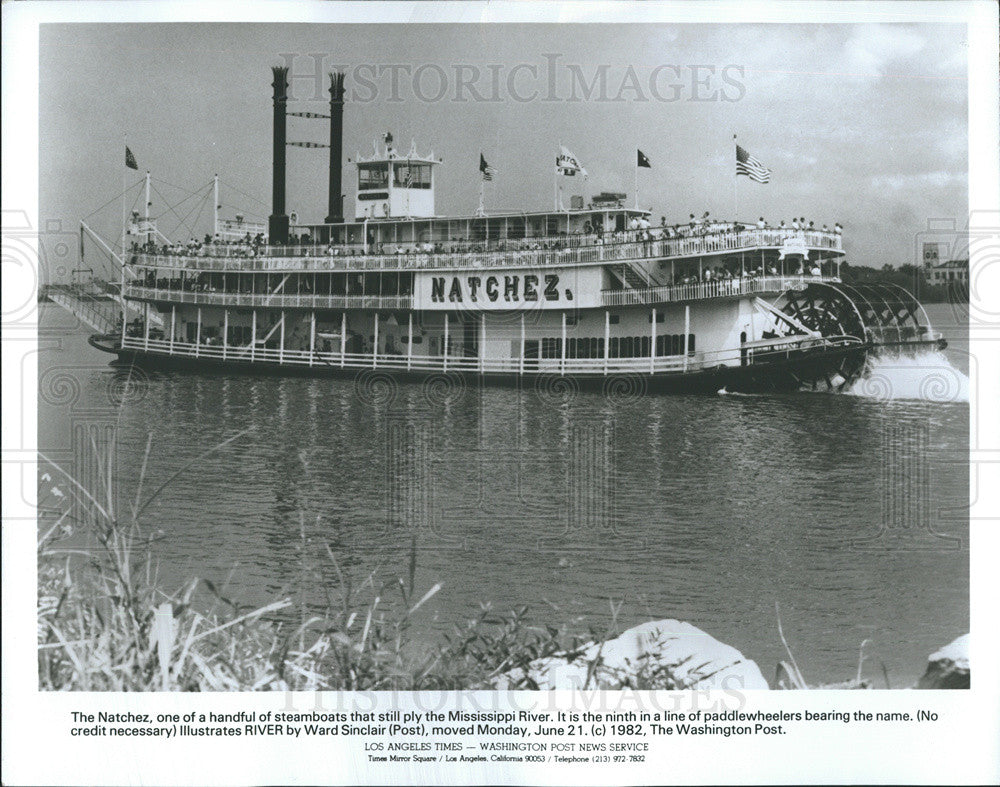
(928, 376)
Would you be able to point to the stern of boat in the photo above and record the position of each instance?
(866, 320)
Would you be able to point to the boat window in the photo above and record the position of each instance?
(373, 176)
(411, 176)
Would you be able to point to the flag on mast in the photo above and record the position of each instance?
(751, 167)
(130, 159)
(486, 169)
(642, 160)
(568, 164)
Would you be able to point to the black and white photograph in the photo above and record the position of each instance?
(436, 393)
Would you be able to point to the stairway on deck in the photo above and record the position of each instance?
(634, 280)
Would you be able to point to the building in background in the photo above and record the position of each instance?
(932, 254)
(945, 273)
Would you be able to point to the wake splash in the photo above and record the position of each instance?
(928, 377)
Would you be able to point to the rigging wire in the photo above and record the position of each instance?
(197, 206)
(191, 195)
(201, 207)
(172, 209)
(244, 194)
(115, 198)
(182, 188)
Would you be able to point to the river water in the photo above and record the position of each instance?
(844, 510)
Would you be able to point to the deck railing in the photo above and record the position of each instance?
(514, 366)
(275, 300)
(222, 258)
(720, 288)
(627, 297)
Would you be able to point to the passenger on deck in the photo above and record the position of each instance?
(761, 224)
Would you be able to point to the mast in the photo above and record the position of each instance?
(736, 180)
(555, 185)
(148, 234)
(215, 213)
(121, 286)
(636, 184)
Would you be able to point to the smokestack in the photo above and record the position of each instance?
(277, 224)
(335, 212)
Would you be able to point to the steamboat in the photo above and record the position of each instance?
(598, 293)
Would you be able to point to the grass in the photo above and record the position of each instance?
(105, 623)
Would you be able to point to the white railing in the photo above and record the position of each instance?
(623, 247)
(515, 366)
(720, 288)
(626, 297)
(275, 300)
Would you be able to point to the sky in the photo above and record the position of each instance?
(865, 124)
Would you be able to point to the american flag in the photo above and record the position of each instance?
(486, 169)
(751, 167)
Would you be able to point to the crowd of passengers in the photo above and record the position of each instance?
(721, 273)
(639, 229)
(202, 282)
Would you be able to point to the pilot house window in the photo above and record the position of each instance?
(411, 176)
(373, 176)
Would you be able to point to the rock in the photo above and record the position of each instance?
(662, 654)
(948, 668)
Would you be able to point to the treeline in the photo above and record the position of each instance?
(910, 277)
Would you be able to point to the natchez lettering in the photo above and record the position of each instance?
(123, 718)
(513, 288)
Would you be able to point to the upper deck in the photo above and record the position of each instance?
(584, 249)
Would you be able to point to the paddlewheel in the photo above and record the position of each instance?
(883, 318)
